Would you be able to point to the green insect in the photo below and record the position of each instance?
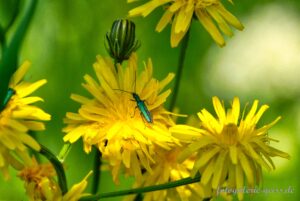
(140, 104)
(9, 94)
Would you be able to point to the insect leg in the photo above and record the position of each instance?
(134, 111)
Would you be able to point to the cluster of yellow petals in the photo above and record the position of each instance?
(17, 118)
(39, 181)
(168, 169)
(112, 122)
(181, 12)
(230, 147)
(41, 185)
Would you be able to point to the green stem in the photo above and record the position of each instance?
(96, 171)
(8, 64)
(139, 197)
(173, 184)
(182, 54)
(62, 181)
(13, 17)
(2, 39)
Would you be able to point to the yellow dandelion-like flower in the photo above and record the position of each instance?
(17, 118)
(181, 12)
(112, 121)
(39, 181)
(41, 185)
(231, 146)
(168, 169)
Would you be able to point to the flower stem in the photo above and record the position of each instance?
(182, 54)
(62, 181)
(8, 63)
(96, 171)
(172, 184)
(2, 39)
(139, 197)
(13, 17)
(4, 30)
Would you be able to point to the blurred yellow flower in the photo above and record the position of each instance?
(167, 169)
(231, 146)
(112, 122)
(181, 13)
(41, 185)
(39, 181)
(17, 118)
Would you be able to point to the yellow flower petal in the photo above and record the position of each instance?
(30, 88)
(176, 37)
(247, 168)
(239, 181)
(218, 169)
(220, 21)
(180, 14)
(233, 154)
(19, 74)
(203, 160)
(208, 172)
(163, 22)
(231, 19)
(210, 27)
(193, 147)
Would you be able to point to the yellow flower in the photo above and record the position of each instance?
(231, 146)
(168, 169)
(112, 122)
(39, 181)
(181, 12)
(17, 118)
(41, 185)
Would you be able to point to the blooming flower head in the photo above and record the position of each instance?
(17, 118)
(181, 12)
(40, 183)
(115, 124)
(231, 146)
(168, 169)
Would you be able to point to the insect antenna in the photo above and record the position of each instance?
(123, 91)
(135, 82)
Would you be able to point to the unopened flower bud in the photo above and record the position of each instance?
(120, 41)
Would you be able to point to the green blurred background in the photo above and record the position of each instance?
(262, 62)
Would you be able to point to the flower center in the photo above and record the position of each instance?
(229, 135)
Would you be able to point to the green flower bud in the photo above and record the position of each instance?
(120, 41)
